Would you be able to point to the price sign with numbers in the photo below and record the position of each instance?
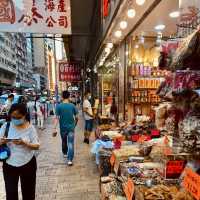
(191, 183)
(129, 189)
(174, 168)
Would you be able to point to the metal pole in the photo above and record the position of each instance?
(56, 74)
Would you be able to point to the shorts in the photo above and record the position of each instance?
(89, 125)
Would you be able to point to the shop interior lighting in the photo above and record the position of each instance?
(159, 35)
(126, 53)
(123, 25)
(118, 34)
(142, 39)
(107, 50)
(101, 64)
(131, 13)
(110, 45)
(136, 46)
(140, 2)
(160, 27)
(174, 14)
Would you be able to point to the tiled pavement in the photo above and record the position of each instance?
(57, 181)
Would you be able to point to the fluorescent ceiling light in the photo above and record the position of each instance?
(140, 2)
(174, 14)
(160, 27)
(110, 45)
(118, 34)
(123, 24)
(131, 13)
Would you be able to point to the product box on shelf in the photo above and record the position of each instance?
(121, 155)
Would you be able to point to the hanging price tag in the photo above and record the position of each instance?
(191, 183)
(129, 189)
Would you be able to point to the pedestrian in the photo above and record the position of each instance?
(113, 110)
(67, 115)
(30, 106)
(39, 110)
(73, 99)
(9, 102)
(23, 141)
(51, 108)
(88, 116)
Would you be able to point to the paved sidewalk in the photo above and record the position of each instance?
(57, 181)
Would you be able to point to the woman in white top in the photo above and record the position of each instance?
(22, 141)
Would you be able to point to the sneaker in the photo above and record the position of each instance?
(69, 163)
(64, 155)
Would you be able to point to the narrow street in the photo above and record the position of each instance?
(57, 181)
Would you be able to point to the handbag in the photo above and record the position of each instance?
(4, 149)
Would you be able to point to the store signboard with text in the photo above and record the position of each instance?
(35, 16)
(69, 71)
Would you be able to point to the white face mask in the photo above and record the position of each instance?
(89, 97)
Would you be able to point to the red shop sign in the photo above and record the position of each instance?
(69, 71)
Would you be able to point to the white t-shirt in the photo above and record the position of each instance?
(20, 155)
(87, 104)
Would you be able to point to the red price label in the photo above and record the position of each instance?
(191, 183)
(174, 168)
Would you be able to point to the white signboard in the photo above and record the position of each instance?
(35, 16)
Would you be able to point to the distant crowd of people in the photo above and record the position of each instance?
(19, 140)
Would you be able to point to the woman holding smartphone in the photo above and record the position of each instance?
(23, 141)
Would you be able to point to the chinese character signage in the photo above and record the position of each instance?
(191, 183)
(69, 71)
(35, 16)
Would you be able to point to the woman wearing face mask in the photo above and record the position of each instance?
(22, 141)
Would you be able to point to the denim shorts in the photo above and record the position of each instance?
(89, 125)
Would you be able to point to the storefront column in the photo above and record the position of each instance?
(121, 81)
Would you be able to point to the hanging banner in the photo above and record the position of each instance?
(69, 71)
(35, 16)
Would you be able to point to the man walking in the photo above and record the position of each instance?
(66, 114)
(88, 115)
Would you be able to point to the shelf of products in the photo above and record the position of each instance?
(140, 70)
(146, 83)
(152, 158)
(145, 96)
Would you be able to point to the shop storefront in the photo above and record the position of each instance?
(153, 153)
